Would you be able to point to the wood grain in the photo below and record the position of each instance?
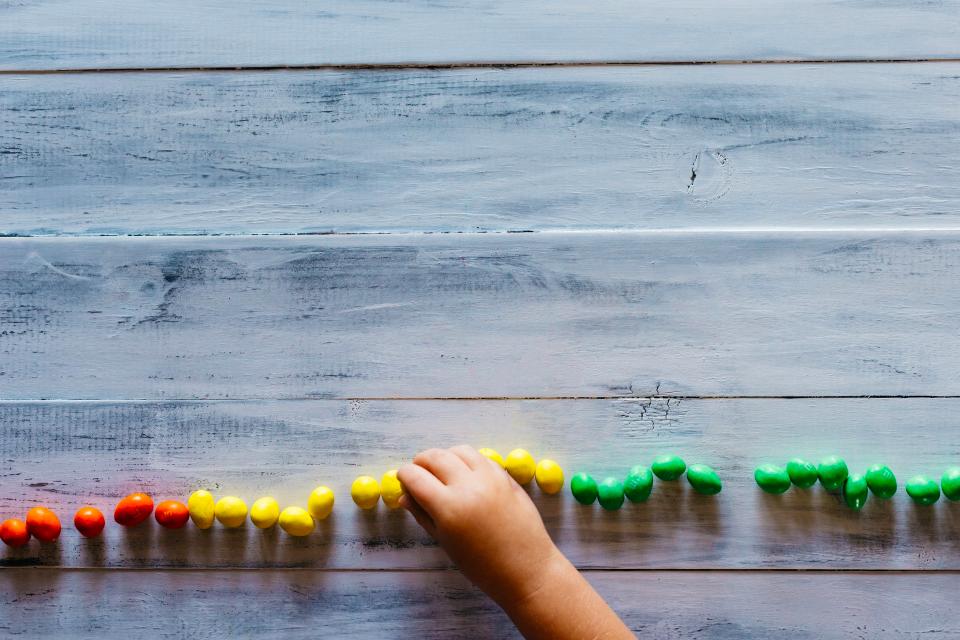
(303, 604)
(517, 315)
(44, 34)
(525, 149)
(65, 455)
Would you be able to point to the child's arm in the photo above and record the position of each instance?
(493, 532)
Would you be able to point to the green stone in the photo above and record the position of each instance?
(950, 483)
(802, 473)
(668, 467)
(704, 479)
(855, 491)
(923, 490)
(583, 488)
(610, 493)
(772, 479)
(881, 481)
(832, 472)
(638, 484)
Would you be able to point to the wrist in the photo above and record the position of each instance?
(549, 572)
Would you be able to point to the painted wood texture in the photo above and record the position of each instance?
(302, 604)
(65, 455)
(46, 34)
(515, 315)
(524, 149)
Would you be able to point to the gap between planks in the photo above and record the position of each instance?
(436, 570)
(4, 401)
(665, 231)
(444, 66)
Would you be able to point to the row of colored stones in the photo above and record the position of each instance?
(232, 512)
(638, 485)
(833, 474)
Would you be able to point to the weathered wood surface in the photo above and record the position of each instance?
(305, 604)
(525, 149)
(515, 315)
(65, 455)
(44, 34)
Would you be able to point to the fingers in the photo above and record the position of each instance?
(470, 456)
(442, 463)
(421, 516)
(518, 489)
(424, 487)
(493, 464)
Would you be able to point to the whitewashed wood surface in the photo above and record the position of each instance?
(862, 146)
(515, 315)
(749, 245)
(65, 455)
(307, 604)
(49, 34)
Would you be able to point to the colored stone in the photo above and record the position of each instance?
(923, 490)
(264, 513)
(584, 488)
(43, 524)
(133, 509)
(855, 491)
(639, 484)
(320, 503)
(668, 467)
(14, 532)
(365, 492)
(832, 472)
(521, 466)
(89, 521)
(772, 479)
(171, 514)
(950, 483)
(802, 474)
(549, 476)
(704, 479)
(201, 506)
(881, 481)
(610, 494)
(231, 511)
(296, 522)
(391, 490)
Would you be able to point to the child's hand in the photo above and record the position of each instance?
(491, 529)
(483, 519)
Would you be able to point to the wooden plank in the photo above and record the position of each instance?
(524, 149)
(65, 455)
(45, 34)
(300, 604)
(518, 315)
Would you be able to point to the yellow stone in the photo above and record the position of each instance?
(549, 476)
(521, 466)
(296, 521)
(320, 503)
(231, 511)
(264, 513)
(391, 490)
(493, 455)
(201, 507)
(365, 492)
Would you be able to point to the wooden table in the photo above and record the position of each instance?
(260, 247)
